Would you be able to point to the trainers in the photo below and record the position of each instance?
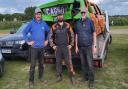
(58, 79)
(30, 85)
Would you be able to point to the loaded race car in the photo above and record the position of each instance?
(71, 11)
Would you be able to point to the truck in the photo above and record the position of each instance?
(71, 12)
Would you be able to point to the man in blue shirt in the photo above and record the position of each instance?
(37, 29)
(86, 46)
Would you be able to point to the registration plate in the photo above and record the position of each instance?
(5, 51)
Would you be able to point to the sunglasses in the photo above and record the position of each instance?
(83, 12)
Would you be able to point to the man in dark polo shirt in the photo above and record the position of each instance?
(86, 46)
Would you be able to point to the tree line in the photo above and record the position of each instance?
(119, 20)
(27, 15)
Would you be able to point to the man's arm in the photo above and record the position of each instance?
(25, 35)
(47, 32)
(52, 37)
(26, 31)
(76, 39)
(71, 35)
(76, 43)
(94, 37)
(47, 29)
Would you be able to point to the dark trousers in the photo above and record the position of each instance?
(63, 52)
(87, 62)
(36, 55)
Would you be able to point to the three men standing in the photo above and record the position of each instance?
(37, 40)
(86, 46)
(62, 40)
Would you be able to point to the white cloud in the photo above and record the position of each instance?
(16, 6)
(96, 1)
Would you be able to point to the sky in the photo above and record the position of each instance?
(114, 7)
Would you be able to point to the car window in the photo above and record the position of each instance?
(98, 10)
(20, 30)
(93, 9)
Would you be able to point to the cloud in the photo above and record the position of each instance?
(16, 6)
(96, 1)
(118, 7)
(115, 7)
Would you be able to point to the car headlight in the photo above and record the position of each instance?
(20, 42)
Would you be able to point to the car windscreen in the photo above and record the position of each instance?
(20, 30)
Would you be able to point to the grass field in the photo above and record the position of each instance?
(5, 31)
(118, 27)
(114, 74)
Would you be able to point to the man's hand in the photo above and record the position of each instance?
(77, 50)
(54, 47)
(30, 43)
(94, 49)
(69, 46)
(46, 43)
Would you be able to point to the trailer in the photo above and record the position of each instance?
(71, 11)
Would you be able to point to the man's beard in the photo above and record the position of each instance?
(60, 20)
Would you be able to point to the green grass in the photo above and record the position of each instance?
(10, 24)
(118, 27)
(114, 75)
(4, 31)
